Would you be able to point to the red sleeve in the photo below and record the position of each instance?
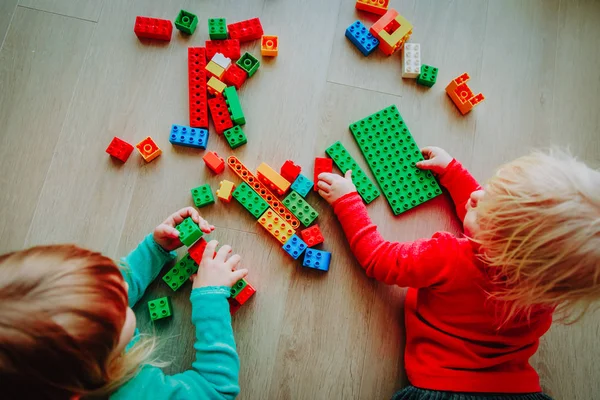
(422, 263)
(460, 183)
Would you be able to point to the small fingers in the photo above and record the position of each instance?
(426, 164)
(348, 175)
(167, 231)
(234, 261)
(324, 194)
(223, 253)
(326, 177)
(324, 186)
(209, 251)
(205, 226)
(238, 274)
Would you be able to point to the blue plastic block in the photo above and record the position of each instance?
(360, 36)
(189, 137)
(317, 259)
(294, 246)
(302, 185)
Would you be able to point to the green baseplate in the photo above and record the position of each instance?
(391, 153)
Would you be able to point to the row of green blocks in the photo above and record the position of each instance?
(251, 201)
(187, 22)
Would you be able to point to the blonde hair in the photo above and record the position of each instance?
(63, 309)
(539, 234)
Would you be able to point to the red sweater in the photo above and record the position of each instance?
(452, 338)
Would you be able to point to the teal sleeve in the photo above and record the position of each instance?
(214, 373)
(142, 266)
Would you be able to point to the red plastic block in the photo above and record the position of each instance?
(153, 28)
(243, 296)
(229, 48)
(119, 149)
(148, 149)
(214, 162)
(220, 115)
(197, 250)
(312, 236)
(234, 306)
(322, 165)
(250, 29)
(235, 76)
(197, 87)
(290, 171)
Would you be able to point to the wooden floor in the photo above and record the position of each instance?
(73, 75)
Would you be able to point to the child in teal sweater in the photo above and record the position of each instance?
(67, 329)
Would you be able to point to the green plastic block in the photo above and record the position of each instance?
(238, 287)
(235, 137)
(217, 28)
(202, 196)
(186, 22)
(159, 308)
(248, 63)
(250, 200)
(181, 272)
(300, 208)
(189, 232)
(392, 153)
(234, 107)
(367, 189)
(428, 75)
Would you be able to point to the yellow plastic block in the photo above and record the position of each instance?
(225, 190)
(215, 69)
(272, 179)
(148, 149)
(215, 86)
(276, 226)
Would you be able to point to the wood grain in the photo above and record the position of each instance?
(83, 9)
(7, 9)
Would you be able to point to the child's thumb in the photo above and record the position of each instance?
(348, 174)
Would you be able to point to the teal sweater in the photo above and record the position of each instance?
(214, 374)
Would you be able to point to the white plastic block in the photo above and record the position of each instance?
(221, 60)
(411, 60)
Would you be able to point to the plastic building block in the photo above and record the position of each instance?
(290, 171)
(317, 259)
(251, 201)
(237, 287)
(197, 87)
(202, 196)
(181, 272)
(225, 190)
(461, 95)
(411, 60)
(189, 137)
(272, 179)
(322, 165)
(235, 76)
(148, 149)
(229, 48)
(392, 30)
(300, 208)
(276, 226)
(365, 187)
(378, 7)
(119, 149)
(312, 236)
(196, 251)
(360, 36)
(189, 231)
(215, 70)
(247, 176)
(159, 308)
(392, 153)
(294, 246)
(215, 86)
(243, 295)
(186, 22)
(221, 60)
(248, 63)
(153, 28)
(428, 75)
(250, 29)
(234, 107)
(215, 163)
(269, 46)
(302, 185)
(217, 28)
(234, 306)
(235, 137)
(220, 116)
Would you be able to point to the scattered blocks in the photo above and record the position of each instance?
(234, 107)
(196, 251)
(300, 208)
(243, 295)
(237, 288)
(119, 149)
(181, 272)
(251, 201)
(250, 29)
(378, 7)
(159, 308)
(321, 165)
(225, 190)
(269, 46)
(153, 28)
(312, 236)
(360, 36)
(235, 76)
(272, 179)
(302, 185)
(248, 63)
(317, 259)
(367, 189)
(290, 171)
(276, 226)
(220, 116)
(392, 30)
(235, 137)
(148, 149)
(197, 87)
(461, 95)
(229, 48)
(215, 163)
(215, 86)
(294, 246)
(186, 22)
(214, 69)
(189, 231)
(202, 196)
(411, 60)
(217, 28)
(189, 137)
(428, 75)
(392, 154)
(221, 60)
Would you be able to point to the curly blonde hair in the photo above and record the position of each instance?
(539, 234)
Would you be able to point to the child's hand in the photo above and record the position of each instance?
(220, 269)
(332, 186)
(436, 159)
(167, 236)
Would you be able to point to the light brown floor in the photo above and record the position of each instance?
(72, 75)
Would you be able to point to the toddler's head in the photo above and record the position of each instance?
(537, 224)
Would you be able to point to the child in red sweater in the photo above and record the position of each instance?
(477, 305)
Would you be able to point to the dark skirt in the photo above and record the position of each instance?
(414, 393)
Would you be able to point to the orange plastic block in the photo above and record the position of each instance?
(269, 45)
(215, 86)
(260, 188)
(214, 162)
(276, 226)
(378, 7)
(272, 179)
(215, 70)
(225, 190)
(392, 30)
(461, 94)
(148, 149)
